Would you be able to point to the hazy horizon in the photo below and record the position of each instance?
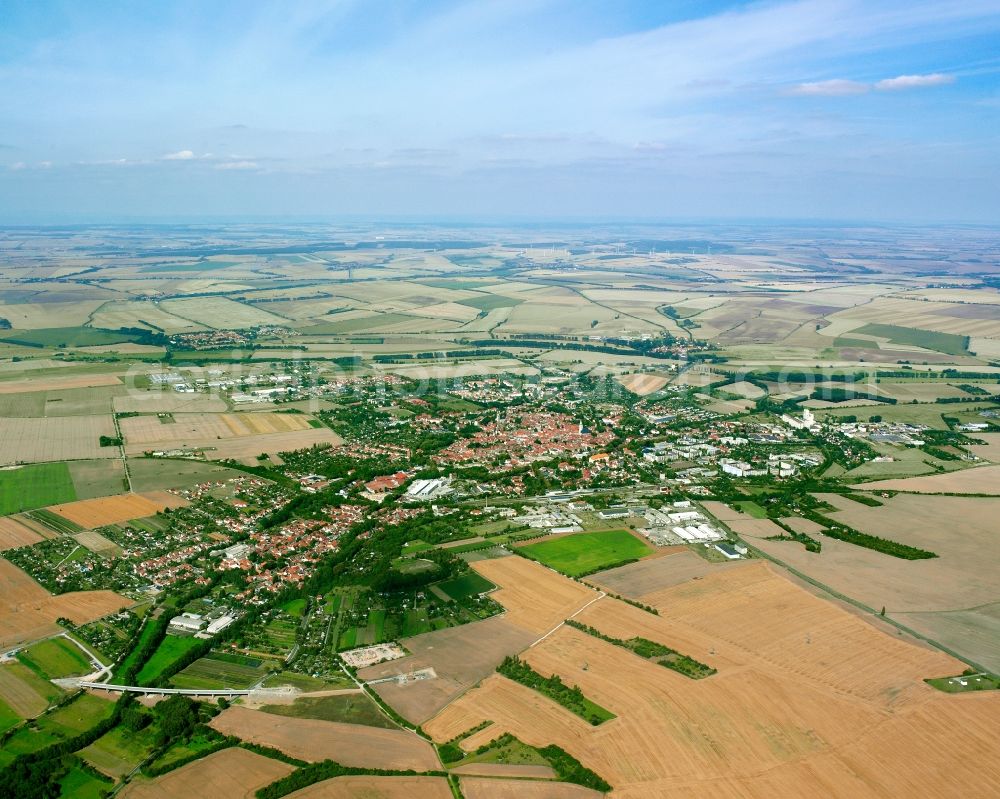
(819, 110)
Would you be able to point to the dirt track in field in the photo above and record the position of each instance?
(230, 774)
(13, 534)
(310, 739)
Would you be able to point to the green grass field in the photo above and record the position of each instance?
(8, 718)
(487, 302)
(751, 508)
(198, 743)
(948, 343)
(508, 752)
(965, 683)
(120, 750)
(197, 266)
(295, 608)
(347, 708)
(354, 325)
(81, 714)
(97, 478)
(169, 650)
(468, 585)
(306, 683)
(131, 659)
(35, 486)
(68, 721)
(48, 691)
(67, 337)
(154, 474)
(583, 553)
(282, 633)
(55, 522)
(220, 671)
(57, 658)
(415, 622)
(79, 784)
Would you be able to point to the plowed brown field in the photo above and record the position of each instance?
(229, 435)
(230, 774)
(642, 384)
(809, 701)
(22, 698)
(90, 513)
(534, 596)
(480, 788)
(57, 383)
(309, 739)
(28, 611)
(366, 787)
(460, 656)
(13, 534)
(981, 480)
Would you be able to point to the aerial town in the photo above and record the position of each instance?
(499, 400)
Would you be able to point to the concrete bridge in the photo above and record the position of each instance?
(147, 691)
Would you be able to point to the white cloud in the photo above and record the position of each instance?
(180, 155)
(237, 165)
(837, 87)
(914, 82)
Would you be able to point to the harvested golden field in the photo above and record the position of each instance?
(722, 511)
(642, 384)
(13, 534)
(800, 525)
(483, 788)
(952, 598)
(55, 439)
(225, 435)
(535, 597)
(698, 376)
(96, 542)
(366, 787)
(309, 739)
(807, 700)
(758, 528)
(460, 656)
(57, 382)
(151, 430)
(921, 392)
(168, 402)
(989, 450)
(90, 513)
(18, 693)
(220, 313)
(962, 531)
(486, 366)
(28, 611)
(232, 773)
(980, 480)
(506, 770)
(743, 389)
(651, 574)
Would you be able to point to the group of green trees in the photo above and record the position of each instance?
(884, 545)
(651, 650)
(570, 697)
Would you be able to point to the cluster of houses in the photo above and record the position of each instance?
(520, 438)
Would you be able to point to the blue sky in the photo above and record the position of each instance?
(837, 109)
